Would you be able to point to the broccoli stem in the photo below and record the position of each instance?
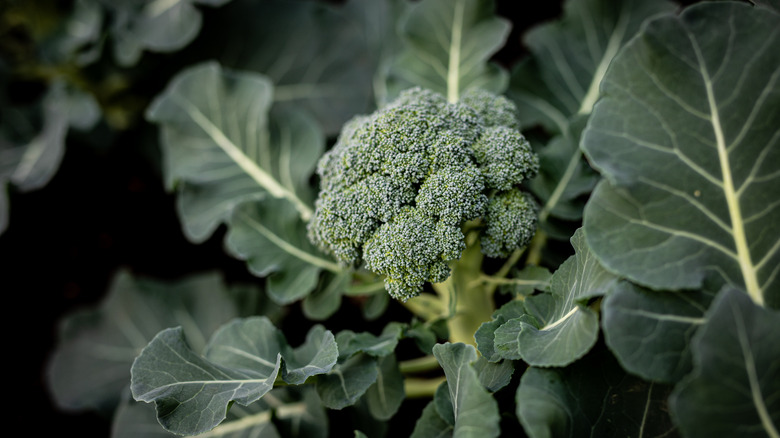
(473, 302)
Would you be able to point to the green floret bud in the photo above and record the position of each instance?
(493, 109)
(413, 249)
(399, 184)
(505, 157)
(510, 223)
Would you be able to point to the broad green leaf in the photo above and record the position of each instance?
(734, 389)
(686, 135)
(474, 410)
(243, 359)
(558, 327)
(343, 385)
(191, 393)
(154, 25)
(447, 47)
(321, 58)
(384, 397)
(569, 57)
(104, 341)
(222, 148)
(650, 331)
(593, 397)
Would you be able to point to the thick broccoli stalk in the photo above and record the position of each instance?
(399, 185)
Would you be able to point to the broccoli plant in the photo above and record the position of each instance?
(434, 217)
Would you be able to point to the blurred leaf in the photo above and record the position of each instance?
(91, 364)
(474, 410)
(735, 385)
(447, 47)
(326, 298)
(154, 25)
(384, 397)
(592, 397)
(569, 57)
(558, 326)
(694, 194)
(241, 363)
(378, 346)
(650, 331)
(525, 281)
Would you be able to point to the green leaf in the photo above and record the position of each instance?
(592, 397)
(271, 237)
(569, 57)
(326, 299)
(448, 45)
(343, 385)
(686, 136)
(558, 327)
(494, 375)
(317, 355)
(192, 392)
(384, 397)
(378, 346)
(735, 385)
(192, 397)
(650, 331)
(104, 341)
(474, 410)
(222, 148)
(485, 335)
(431, 424)
(321, 58)
(158, 26)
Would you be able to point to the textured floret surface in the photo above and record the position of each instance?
(399, 184)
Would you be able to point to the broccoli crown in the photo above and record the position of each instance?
(399, 184)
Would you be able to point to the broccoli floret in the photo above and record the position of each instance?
(399, 184)
(510, 223)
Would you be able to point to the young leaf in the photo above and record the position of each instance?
(105, 340)
(474, 410)
(448, 44)
(485, 335)
(650, 331)
(570, 56)
(735, 385)
(592, 397)
(686, 136)
(558, 327)
(241, 363)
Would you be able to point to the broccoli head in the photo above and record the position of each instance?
(399, 184)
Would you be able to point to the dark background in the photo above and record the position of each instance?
(106, 208)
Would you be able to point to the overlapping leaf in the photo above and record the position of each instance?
(192, 392)
(448, 45)
(592, 397)
(570, 56)
(650, 331)
(686, 135)
(558, 327)
(735, 385)
(91, 364)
